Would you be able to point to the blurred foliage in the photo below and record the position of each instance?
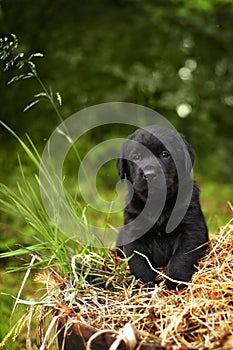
(174, 56)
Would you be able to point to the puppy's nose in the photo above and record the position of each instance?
(149, 174)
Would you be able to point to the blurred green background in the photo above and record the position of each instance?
(174, 56)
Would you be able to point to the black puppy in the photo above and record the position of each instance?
(163, 218)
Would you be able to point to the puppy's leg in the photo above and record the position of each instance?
(181, 267)
(174, 272)
(139, 267)
(141, 270)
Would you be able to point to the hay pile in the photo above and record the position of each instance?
(199, 316)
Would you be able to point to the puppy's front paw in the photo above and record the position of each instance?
(174, 286)
(170, 285)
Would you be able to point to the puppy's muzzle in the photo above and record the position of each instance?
(149, 174)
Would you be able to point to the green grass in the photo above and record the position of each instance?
(34, 236)
(49, 248)
(9, 286)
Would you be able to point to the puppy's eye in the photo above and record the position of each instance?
(136, 157)
(165, 154)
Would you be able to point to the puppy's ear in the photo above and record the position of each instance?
(189, 155)
(120, 163)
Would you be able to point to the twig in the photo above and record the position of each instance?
(23, 283)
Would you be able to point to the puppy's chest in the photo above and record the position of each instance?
(161, 247)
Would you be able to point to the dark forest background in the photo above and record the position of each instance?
(174, 56)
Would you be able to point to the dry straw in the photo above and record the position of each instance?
(200, 316)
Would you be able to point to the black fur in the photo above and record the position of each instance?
(180, 249)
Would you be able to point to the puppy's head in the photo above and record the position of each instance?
(153, 156)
